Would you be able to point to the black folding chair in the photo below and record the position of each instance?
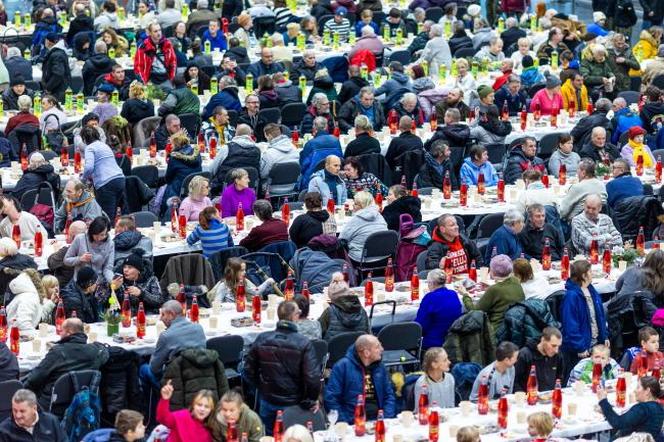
(218, 259)
(378, 247)
(401, 56)
(270, 115)
(338, 346)
(191, 123)
(402, 343)
(292, 114)
(489, 224)
(297, 415)
(434, 14)
(630, 97)
(7, 390)
(282, 179)
(229, 350)
(149, 174)
(67, 385)
(548, 145)
(144, 218)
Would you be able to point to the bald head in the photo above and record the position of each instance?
(366, 341)
(333, 164)
(405, 123)
(76, 228)
(72, 326)
(243, 130)
(369, 349)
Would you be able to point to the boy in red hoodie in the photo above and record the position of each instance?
(649, 339)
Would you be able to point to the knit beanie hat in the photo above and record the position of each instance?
(86, 277)
(134, 260)
(484, 91)
(552, 81)
(338, 289)
(18, 79)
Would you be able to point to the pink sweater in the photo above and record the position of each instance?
(182, 425)
(191, 208)
(546, 104)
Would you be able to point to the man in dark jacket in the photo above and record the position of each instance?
(8, 364)
(15, 90)
(56, 75)
(394, 88)
(69, 354)
(454, 100)
(453, 132)
(82, 22)
(320, 107)
(512, 94)
(27, 423)
(399, 202)
(421, 39)
(97, 65)
(265, 66)
(287, 91)
(17, 65)
(597, 148)
(521, 159)
(653, 110)
(406, 141)
(623, 185)
(351, 87)
(512, 34)
(363, 143)
(459, 38)
(361, 372)
(226, 97)
(39, 171)
(545, 356)
(307, 67)
(79, 295)
(362, 104)
(282, 365)
(241, 151)
(270, 231)
(537, 231)
(55, 261)
(581, 132)
(447, 242)
(230, 68)
(170, 125)
(436, 166)
(118, 80)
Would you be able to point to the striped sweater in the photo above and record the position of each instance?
(217, 237)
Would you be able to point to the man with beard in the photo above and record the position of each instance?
(454, 100)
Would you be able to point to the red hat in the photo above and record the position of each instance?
(635, 131)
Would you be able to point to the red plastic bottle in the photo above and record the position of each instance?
(231, 432)
(256, 309)
(500, 188)
(305, 290)
(562, 174)
(239, 218)
(39, 243)
(503, 410)
(640, 241)
(483, 396)
(447, 186)
(240, 297)
(14, 338)
(380, 427)
(505, 112)
(554, 117)
(153, 146)
(129, 151)
(378, 199)
(389, 276)
(571, 108)
(524, 118)
(3, 324)
(289, 289)
(545, 180)
(472, 271)
(537, 114)
(423, 406)
(642, 368)
(607, 261)
(434, 424)
(182, 224)
(24, 157)
(295, 137)
(433, 122)
(182, 299)
(77, 162)
(414, 191)
(621, 391)
(596, 376)
(393, 121)
(557, 401)
(331, 205)
(285, 212)
(278, 429)
(337, 131)
(64, 156)
(564, 265)
(126, 311)
(658, 170)
(213, 148)
(639, 165)
(16, 235)
(59, 317)
(481, 187)
(531, 386)
(594, 250)
(194, 311)
(360, 420)
(590, 108)
(415, 286)
(368, 291)
(463, 195)
(546, 255)
(201, 143)
(140, 321)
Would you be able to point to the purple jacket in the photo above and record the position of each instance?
(231, 199)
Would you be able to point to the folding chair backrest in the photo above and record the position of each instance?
(218, 259)
(188, 269)
(149, 174)
(7, 390)
(297, 415)
(229, 349)
(338, 346)
(380, 245)
(401, 336)
(64, 389)
(489, 224)
(320, 347)
(144, 218)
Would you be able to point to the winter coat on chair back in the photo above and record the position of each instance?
(470, 339)
(525, 321)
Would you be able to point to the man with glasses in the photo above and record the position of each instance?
(249, 116)
(320, 107)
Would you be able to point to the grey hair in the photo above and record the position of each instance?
(598, 129)
(453, 114)
(623, 164)
(298, 432)
(262, 209)
(363, 123)
(172, 306)
(534, 207)
(603, 105)
(24, 103)
(320, 124)
(238, 173)
(495, 39)
(227, 80)
(620, 101)
(277, 39)
(13, 52)
(363, 199)
(100, 47)
(512, 217)
(437, 30)
(437, 277)
(514, 79)
(593, 197)
(367, 30)
(25, 395)
(511, 22)
(545, 23)
(317, 98)
(408, 96)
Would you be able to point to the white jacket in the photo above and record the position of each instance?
(26, 305)
(280, 150)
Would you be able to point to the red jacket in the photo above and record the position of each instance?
(145, 56)
(502, 80)
(19, 119)
(272, 230)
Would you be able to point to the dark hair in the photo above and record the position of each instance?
(303, 304)
(476, 151)
(205, 216)
(355, 164)
(564, 138)
(652, 270)
(110, 6)
(652, 384)
(396, 66)
(531, 175)
(578, 270)
(89, 135)
(97, 226)
(550, 332)
(653, 93)
(399, 191)
(313, 200)
(505, 350)
(13, 199)
(265, 83)
(127, 420)
(646, 332)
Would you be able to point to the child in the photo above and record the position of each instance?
(129, 427)
(540, 426)
(235, 271)
(231, 407)
(213, 234)
(186, 425)
(468, 434)
(649, 339)
(583, 371)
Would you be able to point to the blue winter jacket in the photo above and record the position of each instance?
(320, 184)
(227, 98)
(622, 187)
(470, 171)
(347, 382)
(217, 42)
(438, 310)
(625, 119)
(505, 242)
(576, 318)
(316, 150)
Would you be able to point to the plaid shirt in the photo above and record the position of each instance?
(583, 229)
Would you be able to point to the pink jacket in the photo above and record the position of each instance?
(373, 44)
(546, 104)
(182, 425)
(190, 208)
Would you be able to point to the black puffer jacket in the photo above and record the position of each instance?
(650, 112)
(56, 73)
(282, 364)
(634, 212)
(518, 162)
(134, 110)
(69, 354)
(456, 135)
(10, 267)
(299, 68)
(345, 314)
(350, 88)
(119, 382)
(437, 249)
(95, 66)
(524, 322)
(195, 369)
(87, 309)
(581, 132)
(32, 178)
(306, 226)
(407, 204)
(10, 99)
(8, 364)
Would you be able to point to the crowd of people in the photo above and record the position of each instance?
(549, 63)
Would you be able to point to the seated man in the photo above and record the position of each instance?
(505, 240)
(406, 141)
(362, 104)
(478, 163)
(78, 205)
(572, 203)
(128, 239)
(597, 148)
(218, 125)
(623, 185)
(364, 143)
(545, 356)
(328, 183)
(280, 149)
(28, 423)
(240, 152)
(321, 146)
(500, 373)
(446, 241)
(455, 133)
(358, 373)
(437, 165)
(56, 261)
(537, 231)
(163, 133)
(522, 158)
(345, 313)
(592, 225)
(72, 352)
(320, 107)
(270, 231)
(583, 370)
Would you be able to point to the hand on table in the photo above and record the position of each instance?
(167, 391)
(601, 393)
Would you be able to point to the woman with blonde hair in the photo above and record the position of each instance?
(137, 107)
(115, 41)
(309, 27)
(197, 200)
(187, 424)
(51, 287)
(465, 80)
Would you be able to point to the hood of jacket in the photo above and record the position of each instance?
(422, 84)
(647, 36)
(270, 94)
(319, 215)
(324, 82)
(127, 240)
(200, 357)
(400, 78)
(348, 303)
(407, 204)
(282, 143)
(22, 284)
(59, 45)
(188, 154)
(456, 133)
(244, 141)
(368, 214)
(100, 62)
(359, 81)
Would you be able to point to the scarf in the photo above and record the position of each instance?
(220, 130)
(640, 149)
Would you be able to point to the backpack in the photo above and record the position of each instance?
(44, 213)
(82, 415)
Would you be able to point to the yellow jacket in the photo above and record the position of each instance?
(569, 94)
(644, 49)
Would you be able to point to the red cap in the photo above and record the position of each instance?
(636, 130)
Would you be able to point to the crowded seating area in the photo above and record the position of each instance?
(327, 220)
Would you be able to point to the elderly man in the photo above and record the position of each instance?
(448, 244)
(179, 334)
(654, 67)
(454, 100)
(72, 352)
(493, 52)
(364, 143)
(583, 129)
(265, 66)
(500, 296)
(328, 183)
(436, 166)
(363, 104)
(408, 106)
(280, 149)
(545, 356)
(405, 142)
(597, 149)
(16, 89)
(537, 231)
(270, 230)
(56, 73)
(553, 44)
(437, 51)
(98, 64)
(78, 204)
(163, 133)
(522, 158)
(623, 185)
(505, 241)
(17, 65)
(572, 203)
(283, 366)
(421, 39)
(369, 41)
(307, 66)
(361, 372)
(623, 119)
(27, 423)
(512, 94)
(214, 36)
(320, 107)
(147, 66)
(506, 67)
(438, 310)
(226, 97)
(592, 225)
(56, 261)
(318, 148)
(352, 86)
(512, 32)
